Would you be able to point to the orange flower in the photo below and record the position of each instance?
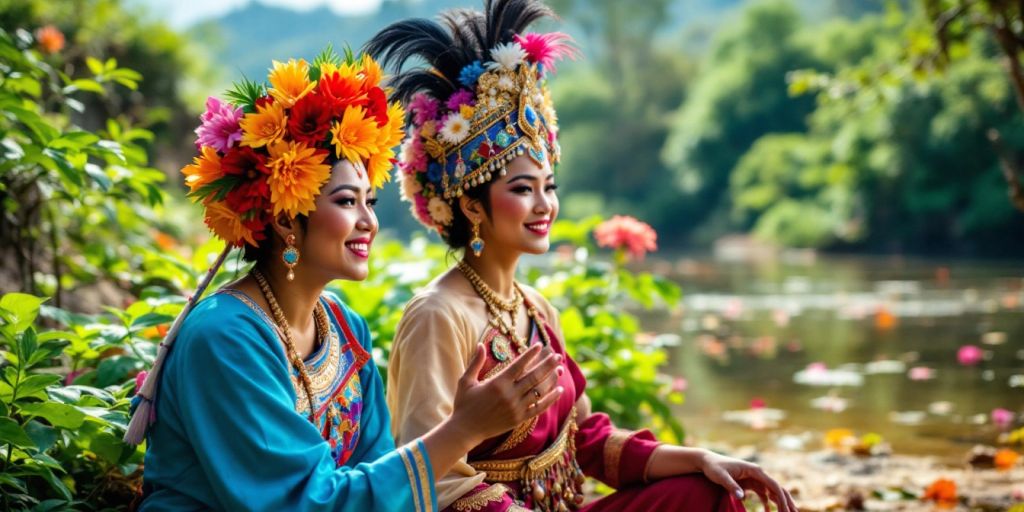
(227, 224)
(290, 81)
(1006, 459)
(50, 39)
(203, 170)
(164, 241)
(264, 127)
(840, 438)
(355, 137)
(379, 165)
(371, 71)
(297, 172)
(942, 491)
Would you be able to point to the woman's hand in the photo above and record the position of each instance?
(738, 475)
(524, 389)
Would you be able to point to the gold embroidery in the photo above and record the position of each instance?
(512, 470)
(517, 436)
(404, 453)
(421, 467)
(480, 500)
(613, 453)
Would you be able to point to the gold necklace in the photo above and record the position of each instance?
(495, 306)
(319, 318)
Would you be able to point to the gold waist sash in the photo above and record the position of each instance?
(551, 480)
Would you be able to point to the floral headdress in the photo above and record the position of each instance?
(269, 150)
(482, 103)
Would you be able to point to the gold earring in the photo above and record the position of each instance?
(477, 243)
(290, 256)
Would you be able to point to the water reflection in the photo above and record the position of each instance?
(917, 351)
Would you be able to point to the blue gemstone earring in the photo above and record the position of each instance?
(290, 256)
(477, 243)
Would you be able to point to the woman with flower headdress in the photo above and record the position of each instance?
(270, 399)
(478, 169)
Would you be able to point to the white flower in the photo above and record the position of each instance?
(410, 187)
(455, 129)
(439, 211)
(507, 56)
(506, 83)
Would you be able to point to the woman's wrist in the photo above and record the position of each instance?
(669, 460)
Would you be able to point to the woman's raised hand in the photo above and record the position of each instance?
(524, 389)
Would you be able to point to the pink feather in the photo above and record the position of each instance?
(545, 49)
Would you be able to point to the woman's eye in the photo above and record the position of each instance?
(552, 187)
(346, 201)
(522, 190)
(371, 202)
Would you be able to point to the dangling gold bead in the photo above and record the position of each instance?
(291, 275)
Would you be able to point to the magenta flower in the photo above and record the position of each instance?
(459, 98)
(220, 128)
(423, 108)
(545, 49)
(969, 355)
(1002, 418)
(140, 379)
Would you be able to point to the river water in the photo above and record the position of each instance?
(776, 353)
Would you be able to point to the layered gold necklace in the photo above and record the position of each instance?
(497, 308)
(321, 321)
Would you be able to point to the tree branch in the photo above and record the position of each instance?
(1011, 170)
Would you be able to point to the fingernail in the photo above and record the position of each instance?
(560, 389)
(559, 371)
(739, 494)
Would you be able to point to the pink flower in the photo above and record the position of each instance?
(679, 384)
(414, 157)
(220, 128)
(139, 380)
(423, 108)
(545, 49)
(419, 208)
(70, 379)
(757, 403)
(969, 355)
(1002, 418)
(623, 232)
(817, 367)
(458, 99)
(921, 373)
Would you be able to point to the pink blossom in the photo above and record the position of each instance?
(414, 156)
(817, 367)
(623, 232)
(969, 355)
(419, 208)
(220, 128)
(921, 373)
(757, 403)
(140, 379)
(1002, 418)
(423, 108)
(545, 49)
(679, 384)
(458, 99)
(70, 379)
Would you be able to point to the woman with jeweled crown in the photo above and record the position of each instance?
(478, 169)
(264, 396)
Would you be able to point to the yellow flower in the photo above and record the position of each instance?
(371, 71)
(297, 172)
(227, 224)
(355, 136)
(378, 168)
(264, 127)
(466, 111)
(392, 133)
(290, 82)
(205, 169)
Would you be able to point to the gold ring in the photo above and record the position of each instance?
(536, 393)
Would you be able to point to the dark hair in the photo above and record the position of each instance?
(460, 231)
(254, 254)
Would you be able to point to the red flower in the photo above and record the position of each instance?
(251, 167)
(341, 91)
(264, 101)
(623, 232)
(377, 106)
(310, 119)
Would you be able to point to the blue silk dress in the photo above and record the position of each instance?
(232, 429)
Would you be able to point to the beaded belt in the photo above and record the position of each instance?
(553, 469)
